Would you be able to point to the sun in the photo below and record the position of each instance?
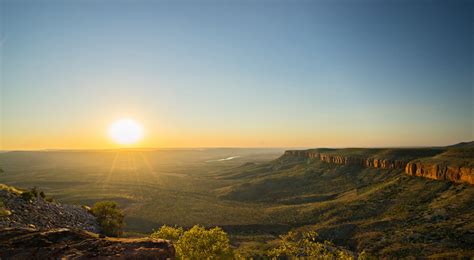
(126, 131)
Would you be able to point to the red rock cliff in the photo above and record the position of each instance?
(454, 173)
(437, 171)
(338, 159)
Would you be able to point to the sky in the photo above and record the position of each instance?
(248, 73)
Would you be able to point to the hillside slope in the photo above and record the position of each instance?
(381, 210)
(40, 214)
(33, 228)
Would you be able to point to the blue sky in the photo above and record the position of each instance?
(237, 73)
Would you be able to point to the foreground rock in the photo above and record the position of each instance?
(64, 243)
(40, 214)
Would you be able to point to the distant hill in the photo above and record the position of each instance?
(463, 145)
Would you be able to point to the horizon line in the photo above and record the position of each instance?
(221, 147)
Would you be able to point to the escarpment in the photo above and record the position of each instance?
(354, 160)
(441, 171)
(455, 165)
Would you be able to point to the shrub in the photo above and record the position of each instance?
(34, 191)
(110, 217)
(27, 195)
(169, 233)
(197, 242)
(304, 244)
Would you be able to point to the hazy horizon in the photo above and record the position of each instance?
(137, 148)
(236, 73)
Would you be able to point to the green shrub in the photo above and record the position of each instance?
(35, 192)
(27, 195)
(110, 217)
(197, 242)
(169, 233)
(32, 194)
(304, 244)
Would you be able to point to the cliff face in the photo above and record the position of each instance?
(354, 160)
(455, 172)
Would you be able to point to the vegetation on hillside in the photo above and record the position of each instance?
(384, 212)
(34, 193)
(110, 218)
(304, 244)
(197, 242)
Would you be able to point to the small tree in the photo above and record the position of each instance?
(169, 233)
(197, 242)
(110, 217)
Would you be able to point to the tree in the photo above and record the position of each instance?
(197, 242)
(169, 233)
(297, 244)
(110, 217)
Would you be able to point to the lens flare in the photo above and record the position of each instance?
(126, 131)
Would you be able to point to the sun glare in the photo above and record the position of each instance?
(126, 131)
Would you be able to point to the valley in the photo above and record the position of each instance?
(360, 204)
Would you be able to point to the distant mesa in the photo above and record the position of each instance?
(453, 163)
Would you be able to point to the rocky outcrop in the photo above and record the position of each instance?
(32, 228)
(64, 243)
(448, 170)
(353, 160)
(441, 171)
(40, 214)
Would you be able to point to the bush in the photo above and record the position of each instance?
(168, 233)
(197, 242)
(304, 244)
(34, 193)
(27, 195)
(110, 217)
